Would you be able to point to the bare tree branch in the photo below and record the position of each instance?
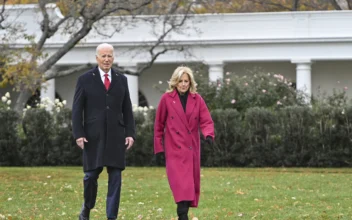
(295, 5)
(2, 17)
(336, 6)
(57, 74)
(84, 30)
(166, 31)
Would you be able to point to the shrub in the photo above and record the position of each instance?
(9, 139)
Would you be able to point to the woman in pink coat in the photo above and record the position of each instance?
(181, 113)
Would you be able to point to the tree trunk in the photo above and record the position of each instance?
(21, 100)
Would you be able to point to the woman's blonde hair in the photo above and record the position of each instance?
(176, 76)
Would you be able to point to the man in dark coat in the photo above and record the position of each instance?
(103, 126)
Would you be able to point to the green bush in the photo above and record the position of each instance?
(9, 139)
(252, 90)
(141, 154)
(260, 132)
(228, 147)
(38, 127)
(63, 149)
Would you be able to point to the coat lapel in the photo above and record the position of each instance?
(177, 105)
(114, 78)
(191, 102)
(97, 78)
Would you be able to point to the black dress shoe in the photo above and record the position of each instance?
(84, 215)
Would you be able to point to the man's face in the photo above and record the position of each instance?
(105, 59)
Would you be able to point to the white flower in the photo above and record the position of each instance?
(28, 107)
(57, 101)
(60, 105)
(278, 103)
(7, 95)
(293, 198)
(64, 102)
(8, 102)
(145, 108)
(194, 218)
(233, 101)
(151, 107)
(343, 112)
(140, 203)
(140, 108)
(4, 99)
(58, 109)
(48, 177)
(145, 114)
(8, 108)
(9, 199)
(159, 210)
(160, 82)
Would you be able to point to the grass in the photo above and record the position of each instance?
(227, 193)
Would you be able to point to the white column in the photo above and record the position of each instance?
(216, 71)
(47, 91)
(132, 83)
(304, 77)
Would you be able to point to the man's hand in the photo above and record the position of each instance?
(80, 142)
(129, 142)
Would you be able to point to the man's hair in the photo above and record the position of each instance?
(104, 45)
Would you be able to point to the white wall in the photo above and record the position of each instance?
(287, 69)
(332, 74)
(151, 77)
(65, 86)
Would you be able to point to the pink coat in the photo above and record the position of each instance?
(177, 133)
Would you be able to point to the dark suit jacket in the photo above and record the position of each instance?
(104, 118)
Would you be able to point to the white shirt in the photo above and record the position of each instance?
(102, 73)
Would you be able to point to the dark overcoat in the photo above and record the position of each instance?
(104, 118)
(177, 133)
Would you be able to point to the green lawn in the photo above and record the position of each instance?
(266, 193)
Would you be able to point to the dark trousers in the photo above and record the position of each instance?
(90, 181)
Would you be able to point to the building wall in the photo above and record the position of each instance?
(326, 76)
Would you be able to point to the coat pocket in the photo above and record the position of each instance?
(122, 123)
(91, 129)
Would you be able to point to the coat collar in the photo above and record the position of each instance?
(97, 77)
(191, 102)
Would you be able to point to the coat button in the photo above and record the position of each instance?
(107, 107)
(190, 148)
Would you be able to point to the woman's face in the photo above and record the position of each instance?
(183, 84)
